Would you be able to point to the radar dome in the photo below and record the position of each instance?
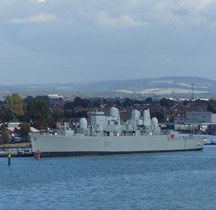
(114, 112)
(83, 123)
(135, 115)
(146, 118)
(155, 121)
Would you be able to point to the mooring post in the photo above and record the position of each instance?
(38, 154)
(9, 157)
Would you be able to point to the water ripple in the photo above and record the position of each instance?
(181, 180)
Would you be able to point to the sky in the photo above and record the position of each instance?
(63, 41)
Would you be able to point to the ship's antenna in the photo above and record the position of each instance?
(102, 104)
(192, 91)
(192, 99)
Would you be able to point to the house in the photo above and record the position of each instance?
(63, 124)
(12, 132)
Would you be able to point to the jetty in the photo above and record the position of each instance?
(16, 149)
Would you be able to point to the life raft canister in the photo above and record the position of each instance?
(172, 136)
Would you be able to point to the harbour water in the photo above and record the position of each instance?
(172, 180)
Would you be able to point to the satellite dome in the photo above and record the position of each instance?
(83, 123)
(146, 118)
(155, 121)
(135, 115)
(114, 112)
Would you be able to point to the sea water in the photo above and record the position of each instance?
(169, 180)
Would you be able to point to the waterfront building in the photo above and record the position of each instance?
(196, 117)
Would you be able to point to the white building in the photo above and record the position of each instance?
(196, 117)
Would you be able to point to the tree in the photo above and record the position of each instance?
(81, 102)
(81, 114)
(149, 100)
(211, 108)
(159, 116)
(15, 106)
(24, 130)
(3, 131)
(68, 105)
(117, 102)
(5, 115)
(127, 102)
(166, 102)
(38, 112)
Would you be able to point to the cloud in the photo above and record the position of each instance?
(40, 18)
(184, 13)
(103, 19)
(194, 6)
(112, 13)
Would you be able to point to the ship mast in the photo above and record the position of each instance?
(192, 99)
(192, 91)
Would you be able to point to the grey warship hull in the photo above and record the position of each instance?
(51, 145)
(108, 135)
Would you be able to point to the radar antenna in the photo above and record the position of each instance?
(192, 91)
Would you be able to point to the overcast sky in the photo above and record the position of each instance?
(47, 41)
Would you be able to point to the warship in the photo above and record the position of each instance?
(106, 135)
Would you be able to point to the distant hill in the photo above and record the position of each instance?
(164, 86)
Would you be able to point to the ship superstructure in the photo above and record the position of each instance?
(102, 125)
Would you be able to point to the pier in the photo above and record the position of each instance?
(16, 150)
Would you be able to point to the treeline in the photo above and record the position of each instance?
(39, 111)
